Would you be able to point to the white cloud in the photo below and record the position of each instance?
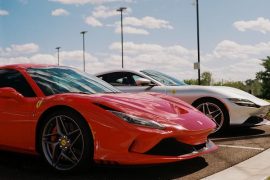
(74, 57)
(67, 58)
(230, 49)
(104, 12)
(60, 12)
(133, 48)
(18, 49)
(131, 24)
(35, 59)
(131, 30)
(82, 2)
(234, 61)
(147, 22)
(27, 53)
(228, 60)
(175, 60)
(25, 48)
(93, 21)
(260, 24)
(3, 12)
(42, 59)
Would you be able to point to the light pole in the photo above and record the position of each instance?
(58, 48)
(83, 32)
(198, 42)
(121, 9)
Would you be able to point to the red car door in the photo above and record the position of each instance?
(17, 106)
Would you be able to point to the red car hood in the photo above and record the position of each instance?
(164, 109)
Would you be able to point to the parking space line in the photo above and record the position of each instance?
(240, 137)
(267, 123)
(241, 147)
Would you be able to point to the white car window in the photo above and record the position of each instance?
(120, 78)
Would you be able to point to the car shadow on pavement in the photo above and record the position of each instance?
(20, 166)
(164, 171)
(238, 132)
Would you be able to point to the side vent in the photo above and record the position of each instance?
(104, 107)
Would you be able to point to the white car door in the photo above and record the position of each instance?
(127, 82)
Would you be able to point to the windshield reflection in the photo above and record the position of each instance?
(163, 78)
(58, 80)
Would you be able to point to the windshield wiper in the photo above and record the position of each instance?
(82, 92)
(113, 92)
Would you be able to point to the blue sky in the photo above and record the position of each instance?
(158, 34)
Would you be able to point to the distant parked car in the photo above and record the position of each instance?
(224, 105)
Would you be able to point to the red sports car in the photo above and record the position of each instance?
(73, 119)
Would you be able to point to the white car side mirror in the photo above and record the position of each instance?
(143, 82)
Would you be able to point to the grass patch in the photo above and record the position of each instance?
(268, 116)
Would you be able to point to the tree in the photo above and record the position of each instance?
(264, 76)
(191, 81)
(253, 86)
(206, 78)
(235, 84)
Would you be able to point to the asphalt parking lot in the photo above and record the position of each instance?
(237, 145)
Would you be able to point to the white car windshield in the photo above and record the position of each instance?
(163, 78)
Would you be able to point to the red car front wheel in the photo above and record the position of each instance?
(65, 141)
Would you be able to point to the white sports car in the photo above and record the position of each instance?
(224, 105)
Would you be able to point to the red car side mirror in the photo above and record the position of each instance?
(9, 92)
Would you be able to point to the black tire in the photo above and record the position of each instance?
(65, 141)
(216, 111)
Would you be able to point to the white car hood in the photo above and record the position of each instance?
(223, 92)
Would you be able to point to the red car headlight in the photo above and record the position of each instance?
(138, 120)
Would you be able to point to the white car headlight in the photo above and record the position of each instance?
(137, 120)
(244, 102)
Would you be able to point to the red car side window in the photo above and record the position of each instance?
(14, 79)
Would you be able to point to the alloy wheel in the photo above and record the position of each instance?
(62, 142)
(214, 112)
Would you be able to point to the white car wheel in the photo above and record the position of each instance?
(215, 111)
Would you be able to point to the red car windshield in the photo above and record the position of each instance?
(58, 80)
